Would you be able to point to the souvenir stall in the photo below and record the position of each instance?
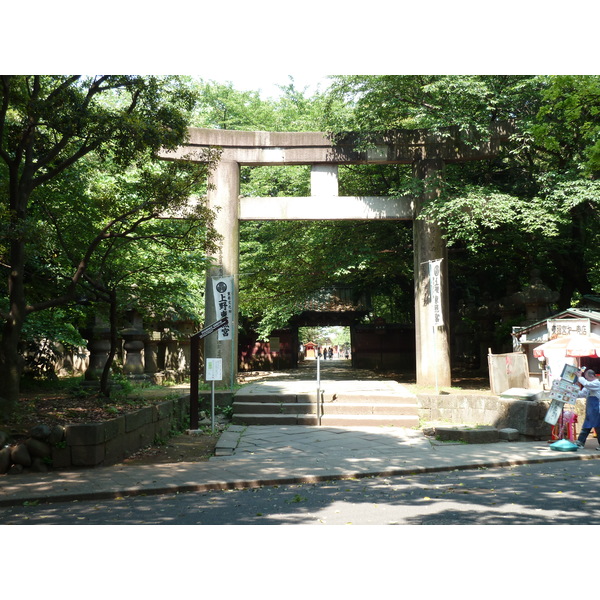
(565, 356)
(572, 323)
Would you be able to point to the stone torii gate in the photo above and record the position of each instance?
(426, 152)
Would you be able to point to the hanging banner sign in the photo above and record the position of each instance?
(435, 292)
(223, 295)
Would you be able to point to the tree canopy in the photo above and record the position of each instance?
(83, 195)
(533, 207)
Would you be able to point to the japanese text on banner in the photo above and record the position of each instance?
(435, 292)
(223, 294)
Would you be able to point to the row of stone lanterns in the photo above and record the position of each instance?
(147, 355)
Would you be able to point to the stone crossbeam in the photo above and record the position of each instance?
(252, 148)
(334, 208)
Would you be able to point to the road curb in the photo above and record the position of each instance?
(301, 479)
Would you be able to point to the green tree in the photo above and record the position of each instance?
(149, 261)
(49, 126)
(534, 206)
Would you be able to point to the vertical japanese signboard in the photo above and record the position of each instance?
(435, 293)
(223, 295)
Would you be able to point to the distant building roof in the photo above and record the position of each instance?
(570, 313)
(336, 299)
(337, 305)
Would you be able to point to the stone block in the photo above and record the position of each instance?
(163, 410)
(38, 465)
(475, 416)
(147, 434)
(509, 434)
(40, 432)
(115, 451)
(446, 414)
(114, 428)
(5, 460)
(19, 454)
(482, 435)
(61, 457)
(138, 418)
(522, 394)
(87, 456)
(87, 434)
(479, 435)
(236, 428)
(57, 435)
(455, 403)
(424, 401)
(37, 448)
(162, 429)
(491, 404)
(490, 417)
(227, 443)
(140, 438)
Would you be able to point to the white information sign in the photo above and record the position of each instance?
(214, 369)
(554, 412)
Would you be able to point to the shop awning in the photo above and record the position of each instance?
(573, 345)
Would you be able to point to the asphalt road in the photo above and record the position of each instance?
(565, 493)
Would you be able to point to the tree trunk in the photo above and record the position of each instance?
(10, 369)
(11, 362)
(105, 378)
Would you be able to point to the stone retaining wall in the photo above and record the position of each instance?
(109, 442)
(93, 444)
(526, 416)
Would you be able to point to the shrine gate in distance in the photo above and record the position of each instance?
(426, 152)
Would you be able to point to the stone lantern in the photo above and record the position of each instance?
(97, 334)
(134, 338)
(537, 298)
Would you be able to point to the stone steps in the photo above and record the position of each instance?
(337, 408)
(341, 407)
(327, 420)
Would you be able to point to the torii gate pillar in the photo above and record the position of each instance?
(432, 342)
(223, 193)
